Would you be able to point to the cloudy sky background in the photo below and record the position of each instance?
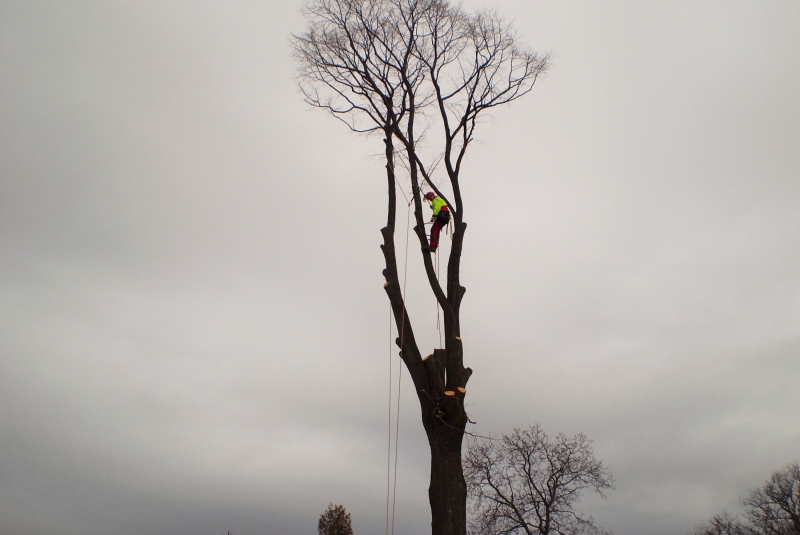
(193, 333)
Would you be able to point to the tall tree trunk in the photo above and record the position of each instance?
(439, 379)
(444, 419)
(447, 491)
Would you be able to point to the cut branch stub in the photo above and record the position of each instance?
(434, 367)
(465, 375)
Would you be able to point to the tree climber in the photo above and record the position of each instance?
(441, 217)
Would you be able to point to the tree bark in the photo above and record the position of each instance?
(444, 419)
(447, 491)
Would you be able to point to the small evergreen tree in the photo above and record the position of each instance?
(335, 521)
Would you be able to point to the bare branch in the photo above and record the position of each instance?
(774, 509)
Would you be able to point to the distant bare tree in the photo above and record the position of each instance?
(725, 524)
(421, 74)
(774, 509)
(335, 521)
(527, 483)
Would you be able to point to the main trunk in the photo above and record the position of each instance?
(444, 420)
(447, 491)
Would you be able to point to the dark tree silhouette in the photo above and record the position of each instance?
(421, 74)
(527, 483)
(725, 524)
(334, 521)
(774, 509)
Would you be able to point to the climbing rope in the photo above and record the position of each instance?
(389, 478)
(399, 383)
(438, 321)
(389, 445)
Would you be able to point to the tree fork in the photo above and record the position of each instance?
(375, 65)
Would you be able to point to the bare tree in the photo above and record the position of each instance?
(334, 521)
(421, 73)
(725, 524)
(774, 509)
(528, 483)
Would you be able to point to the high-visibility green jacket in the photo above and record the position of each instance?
(436, 204)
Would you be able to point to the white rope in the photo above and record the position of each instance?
(389, 445)
(438, 321)
(399, 383)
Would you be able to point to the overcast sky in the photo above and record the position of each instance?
(193, 331)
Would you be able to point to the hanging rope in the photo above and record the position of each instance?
(389, 445)
(438, 321)
(399, 383)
